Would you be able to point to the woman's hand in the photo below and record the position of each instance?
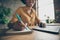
(43, 25)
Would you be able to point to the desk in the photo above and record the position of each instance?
(28, 36)
(35, 35)
(45, 36)
(19, 37)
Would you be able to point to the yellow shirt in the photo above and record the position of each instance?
(30, 19)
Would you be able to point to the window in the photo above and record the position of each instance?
(45, 9)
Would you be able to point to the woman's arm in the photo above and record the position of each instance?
(14, 19)
(37, 20)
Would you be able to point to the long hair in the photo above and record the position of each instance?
(24, 1)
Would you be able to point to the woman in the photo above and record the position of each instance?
(27, 14)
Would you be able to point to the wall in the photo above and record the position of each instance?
(57, 10)
(13, 4)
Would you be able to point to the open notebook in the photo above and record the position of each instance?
(11, 31)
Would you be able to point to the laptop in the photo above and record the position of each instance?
(48, 29)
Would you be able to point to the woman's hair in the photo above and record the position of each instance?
(24, 1)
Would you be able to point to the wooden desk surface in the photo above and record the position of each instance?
(28, 36)
(35, 35)
(19, 37)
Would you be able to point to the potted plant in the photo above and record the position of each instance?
(4, 14)
(4, 18)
